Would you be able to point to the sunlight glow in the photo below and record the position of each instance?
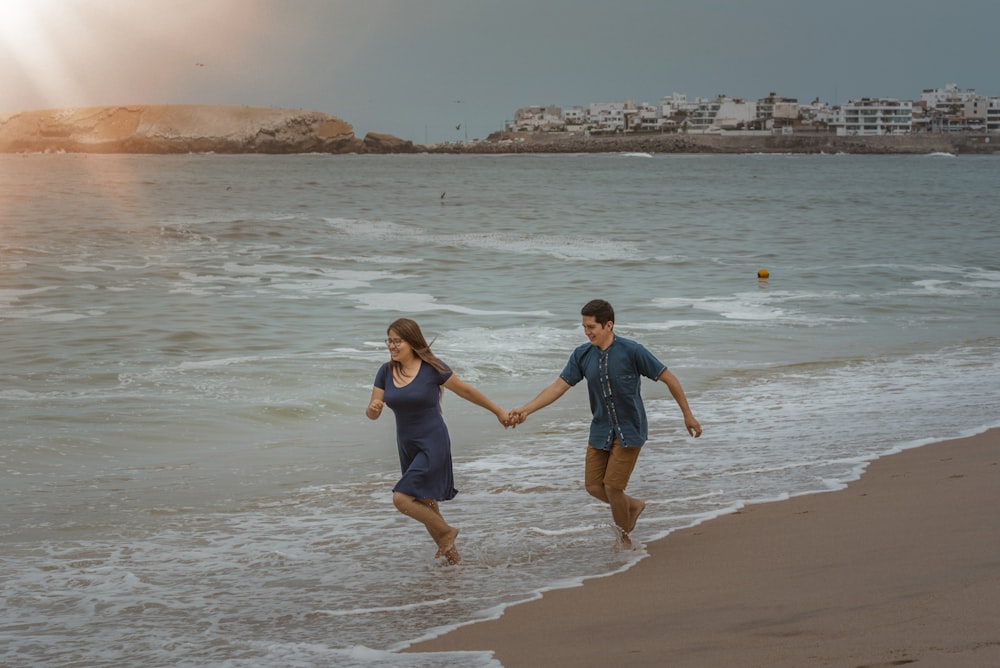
(78, 53)
(30, 32)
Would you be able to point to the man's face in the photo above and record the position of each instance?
(600, 336)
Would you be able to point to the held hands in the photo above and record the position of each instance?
(511, 418)
(514, 418)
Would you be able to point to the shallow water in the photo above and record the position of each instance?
(186, 474)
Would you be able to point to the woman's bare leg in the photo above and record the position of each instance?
(427, 512)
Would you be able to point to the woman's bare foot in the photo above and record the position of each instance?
(446, 546)
(452, 556)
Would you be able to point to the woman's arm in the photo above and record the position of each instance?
(471, 394)
(376, 403)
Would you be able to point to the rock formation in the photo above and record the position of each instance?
(382, 143)
(179, 129)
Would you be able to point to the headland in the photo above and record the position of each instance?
(164, 129)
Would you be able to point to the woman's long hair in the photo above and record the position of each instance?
(409, 331)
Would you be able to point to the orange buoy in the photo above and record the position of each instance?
(763, 273)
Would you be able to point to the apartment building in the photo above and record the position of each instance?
(875, 116)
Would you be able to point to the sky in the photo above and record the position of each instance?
(450, 70)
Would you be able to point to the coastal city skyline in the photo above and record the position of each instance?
(942, 108)
(444, 70)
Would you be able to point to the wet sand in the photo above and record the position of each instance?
(901, 567)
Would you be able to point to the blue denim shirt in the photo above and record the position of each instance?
(613, 383)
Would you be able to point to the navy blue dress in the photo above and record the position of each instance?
(421, 434)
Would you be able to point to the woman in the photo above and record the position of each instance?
(411, 383)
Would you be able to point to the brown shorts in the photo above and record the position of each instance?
(612, 468)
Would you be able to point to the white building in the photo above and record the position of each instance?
(701, 117)
(722, 113)
(870, 116)
(538, 119)
(946, 99)
(676, 103)
(606, 116)
(993, 115)
(735, 114)
(574, 116)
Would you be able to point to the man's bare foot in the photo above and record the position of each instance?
(624, 542)
(633, 513)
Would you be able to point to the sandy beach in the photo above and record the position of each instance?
(901, 567)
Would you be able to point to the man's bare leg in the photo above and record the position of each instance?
(426, 512)
(635, 508)
(625, 511)
(620, 505)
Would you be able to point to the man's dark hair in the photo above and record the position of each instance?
(600, 310)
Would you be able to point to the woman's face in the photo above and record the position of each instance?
(399, 349)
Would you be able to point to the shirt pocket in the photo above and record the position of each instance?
(626, 384)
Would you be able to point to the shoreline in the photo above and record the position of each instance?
(901, 566)
(228, 129)
(731, 144)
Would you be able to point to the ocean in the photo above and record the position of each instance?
(187, 477)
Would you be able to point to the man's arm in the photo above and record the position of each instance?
(544, 398)
(677, 392)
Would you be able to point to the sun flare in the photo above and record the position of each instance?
(29, 45)
(77, 53)
(22, 27)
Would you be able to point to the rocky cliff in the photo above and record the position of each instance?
(186, 129)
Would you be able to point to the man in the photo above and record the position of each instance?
(612, 366)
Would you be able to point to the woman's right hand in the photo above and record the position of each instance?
(374, 409)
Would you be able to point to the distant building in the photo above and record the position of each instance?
(646, 118)
(701, 116)
(818, 115)
(574, 116)
(952, 110)
(538, 119)
(673, 111)
(606, 116)
(775, 112)
(735, 114)
(875, 116)
(993, 115)
(947, 99)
